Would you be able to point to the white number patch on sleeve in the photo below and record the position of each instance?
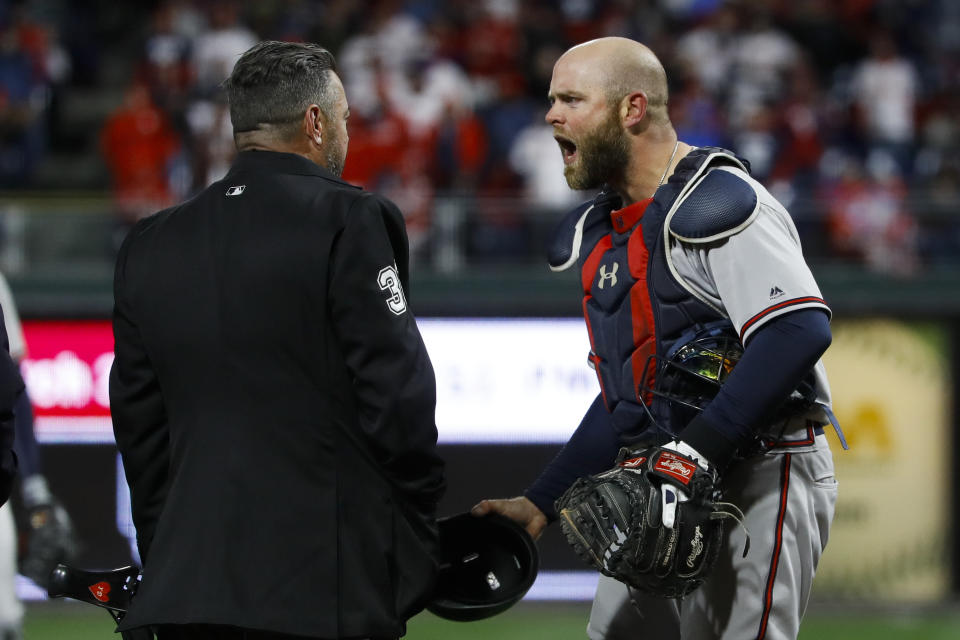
(389, 281)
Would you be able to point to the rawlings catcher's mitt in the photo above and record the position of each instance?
(613, 521)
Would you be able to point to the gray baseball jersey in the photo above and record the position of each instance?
(751, 274)
(754, 274)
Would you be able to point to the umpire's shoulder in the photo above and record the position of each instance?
(721, 203)
(146, 226)
(367, 204)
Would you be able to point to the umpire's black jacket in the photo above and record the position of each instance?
(274, 406)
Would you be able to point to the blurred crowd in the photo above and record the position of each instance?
(846, 109)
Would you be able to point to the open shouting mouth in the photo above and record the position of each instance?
(568, 148)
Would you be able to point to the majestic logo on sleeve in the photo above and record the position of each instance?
(389, 281)
(237, 190)
(612, 275)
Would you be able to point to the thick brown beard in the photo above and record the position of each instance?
(604, 154)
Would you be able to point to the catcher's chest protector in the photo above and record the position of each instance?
(633, 305)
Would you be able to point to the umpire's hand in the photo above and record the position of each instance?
(520, 509)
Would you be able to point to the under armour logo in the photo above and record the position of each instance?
(612, 275)
(237, 190)
(775, 292)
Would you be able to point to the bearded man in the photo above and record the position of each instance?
(682, 244)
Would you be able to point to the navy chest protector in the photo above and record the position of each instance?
(635, 308)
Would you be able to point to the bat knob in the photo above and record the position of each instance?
(58, 585)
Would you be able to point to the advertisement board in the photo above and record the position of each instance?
(510, 392)
(498, 381)
(889, 538)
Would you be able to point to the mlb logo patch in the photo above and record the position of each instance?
(676, 467)
(237, 190)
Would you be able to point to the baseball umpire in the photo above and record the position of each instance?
(272, 398)
(706, 328)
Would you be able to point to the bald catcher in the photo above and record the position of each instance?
(680, 251)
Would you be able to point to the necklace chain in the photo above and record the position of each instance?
(676, 145)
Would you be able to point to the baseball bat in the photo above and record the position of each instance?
(113, 589)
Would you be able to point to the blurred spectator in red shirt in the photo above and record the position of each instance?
(386, 157)
(139, 146)
(801, 127)
(868, 216)
(491, 48)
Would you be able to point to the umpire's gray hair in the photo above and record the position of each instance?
(273, 83)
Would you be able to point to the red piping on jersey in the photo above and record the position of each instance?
(777, 547)
(786, 303)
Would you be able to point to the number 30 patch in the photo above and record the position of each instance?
(389, 281)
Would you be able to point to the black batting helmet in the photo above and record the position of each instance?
(487, 565)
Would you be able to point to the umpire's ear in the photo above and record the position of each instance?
(313, 125)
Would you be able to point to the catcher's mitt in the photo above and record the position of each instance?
(613, 521)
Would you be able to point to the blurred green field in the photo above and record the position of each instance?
(62, 620)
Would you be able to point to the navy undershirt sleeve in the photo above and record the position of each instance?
(25, 444)
(592, 448)
(773, 364)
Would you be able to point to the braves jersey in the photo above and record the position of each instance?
(712, 245)
(753, 274)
